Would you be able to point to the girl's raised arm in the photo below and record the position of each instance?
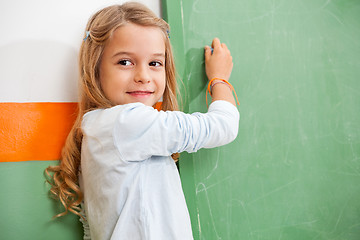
(218, 64)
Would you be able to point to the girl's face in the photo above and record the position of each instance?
(132, 67)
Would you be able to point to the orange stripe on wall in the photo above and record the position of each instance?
(34, 131)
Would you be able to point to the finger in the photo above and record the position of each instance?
(215, 43)
(207, 52)
(223, 45)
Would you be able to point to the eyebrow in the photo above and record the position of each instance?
(130, 53)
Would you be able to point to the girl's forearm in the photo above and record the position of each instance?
(222, 91)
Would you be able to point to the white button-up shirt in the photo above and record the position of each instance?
(131, 185)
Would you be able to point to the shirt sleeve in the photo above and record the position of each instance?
(141, 132)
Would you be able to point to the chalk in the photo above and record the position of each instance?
(212, 50)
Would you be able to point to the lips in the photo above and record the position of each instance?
(140, 93)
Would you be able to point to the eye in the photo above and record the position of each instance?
(125, 62)
(155, 64)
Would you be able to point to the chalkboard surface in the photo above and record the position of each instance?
(294, 170)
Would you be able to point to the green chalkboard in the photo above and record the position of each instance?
(294, 170)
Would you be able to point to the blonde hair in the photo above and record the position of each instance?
(101, 26)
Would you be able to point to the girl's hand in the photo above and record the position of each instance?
(218, 64)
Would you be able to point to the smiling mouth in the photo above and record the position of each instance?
(140, 93)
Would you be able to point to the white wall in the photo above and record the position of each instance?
(39, 45)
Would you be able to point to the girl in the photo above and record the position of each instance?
(117, 158)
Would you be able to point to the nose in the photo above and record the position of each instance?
(142, 74)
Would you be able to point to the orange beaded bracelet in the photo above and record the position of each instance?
(210, 85)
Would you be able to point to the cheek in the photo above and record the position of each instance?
(104, 85)
(163, 85)
(109, 84)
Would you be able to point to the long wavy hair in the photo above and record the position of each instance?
(101, 26)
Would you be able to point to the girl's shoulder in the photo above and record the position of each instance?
(111, 114)
(113, 110)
